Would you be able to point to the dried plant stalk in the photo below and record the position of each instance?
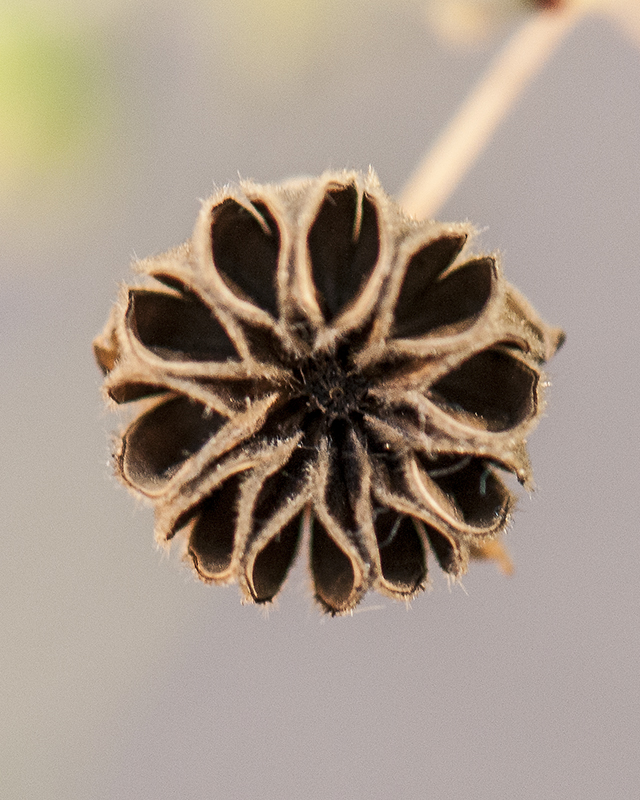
(437, 176)
(314, 359)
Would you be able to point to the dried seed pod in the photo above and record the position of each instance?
(314, 360)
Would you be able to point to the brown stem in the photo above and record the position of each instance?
(466, 135)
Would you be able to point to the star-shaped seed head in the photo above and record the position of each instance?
(315, 365)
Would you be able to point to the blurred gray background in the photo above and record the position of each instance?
(123, 677)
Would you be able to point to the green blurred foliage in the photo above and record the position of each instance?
(55, 99)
